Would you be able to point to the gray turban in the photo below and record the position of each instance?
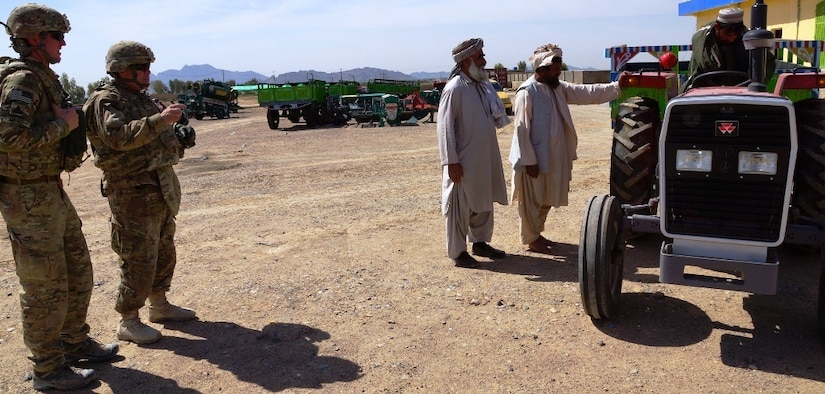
(544, 55)
(467, 49)
(463, 51)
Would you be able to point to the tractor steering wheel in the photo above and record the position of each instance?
(719, 78)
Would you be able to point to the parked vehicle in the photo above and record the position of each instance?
(503, 96)
(315, 101)
(209, 98)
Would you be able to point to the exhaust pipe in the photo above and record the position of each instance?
(758, 40)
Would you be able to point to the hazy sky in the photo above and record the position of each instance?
(274, 36)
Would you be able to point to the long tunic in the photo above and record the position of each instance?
(467, 135)
(544, 132)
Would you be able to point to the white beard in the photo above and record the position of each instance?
(477, 73)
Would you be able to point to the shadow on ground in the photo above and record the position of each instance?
(282, 356)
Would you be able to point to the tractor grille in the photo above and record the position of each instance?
(723, 203)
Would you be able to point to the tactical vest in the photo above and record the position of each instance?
(45, 156)
(121, 165)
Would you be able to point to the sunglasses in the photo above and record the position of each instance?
(57, 35)
(140, 67)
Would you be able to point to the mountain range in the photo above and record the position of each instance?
(205, 71)
(364, 74)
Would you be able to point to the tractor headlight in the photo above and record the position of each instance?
(760, 163)
(694, 160)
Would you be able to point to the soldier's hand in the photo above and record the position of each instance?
(456, 172)
(67, 114)
(532, 171)
(172, 113)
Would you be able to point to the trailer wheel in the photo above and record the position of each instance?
(272, 118)
(634, 152)
(311, 116)
(199, 115)
(809, 179)
(294, 115)
(601, 257)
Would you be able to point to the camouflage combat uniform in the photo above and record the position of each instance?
(50, 253)
(136, 150)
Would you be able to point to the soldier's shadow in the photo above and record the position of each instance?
(278, 357)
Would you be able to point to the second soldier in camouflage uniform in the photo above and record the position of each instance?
(135, 144)
(50, 253)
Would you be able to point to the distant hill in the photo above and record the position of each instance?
(205, 71)
(363, 74)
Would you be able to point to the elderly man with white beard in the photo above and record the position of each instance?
(544, 141)
(472, 175)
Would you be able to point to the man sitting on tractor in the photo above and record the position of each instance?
(718, 47)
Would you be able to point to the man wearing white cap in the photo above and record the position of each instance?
(472, 174)
(718, 46)
(544, 141)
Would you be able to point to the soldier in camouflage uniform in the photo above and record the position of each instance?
(136, 143)
(50, 253)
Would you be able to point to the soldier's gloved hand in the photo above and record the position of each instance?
(185, 135)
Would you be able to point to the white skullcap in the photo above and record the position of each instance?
(730, 15)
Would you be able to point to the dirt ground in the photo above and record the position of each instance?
(316, 262)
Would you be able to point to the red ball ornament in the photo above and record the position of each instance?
(668, 60)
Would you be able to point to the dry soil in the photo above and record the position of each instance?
(316, 262)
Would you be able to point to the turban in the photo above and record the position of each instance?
(467, 49)
(544, 55)
(464, 51)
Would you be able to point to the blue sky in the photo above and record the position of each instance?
(275, 36)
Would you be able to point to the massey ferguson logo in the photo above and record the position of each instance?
(727, 128)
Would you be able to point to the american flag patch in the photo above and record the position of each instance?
(19, 95)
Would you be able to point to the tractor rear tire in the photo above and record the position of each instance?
(634, 153)
(272, 118)
(601, 257)
(809, 179)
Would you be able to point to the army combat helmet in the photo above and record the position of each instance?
(31, 20)
(126, 53)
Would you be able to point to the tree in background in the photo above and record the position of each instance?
(76, 93)
(177, 86)
(498, 66)
(253, 81)
(522, 66)
(92, 86)
(158, 87)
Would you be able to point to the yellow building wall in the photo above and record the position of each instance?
(796, 18)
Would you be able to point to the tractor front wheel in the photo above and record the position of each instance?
(601, 257)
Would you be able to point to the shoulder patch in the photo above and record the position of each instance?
(20, 95)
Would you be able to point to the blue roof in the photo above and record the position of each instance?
(693, 6)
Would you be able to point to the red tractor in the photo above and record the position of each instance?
(726, 174)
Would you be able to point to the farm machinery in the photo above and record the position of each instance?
(210, 98)
(392, 102)
(315, 101)
(727, 174)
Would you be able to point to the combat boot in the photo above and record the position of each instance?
(89, 350)
(161, 310)
(63, 378)
(133, 330)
